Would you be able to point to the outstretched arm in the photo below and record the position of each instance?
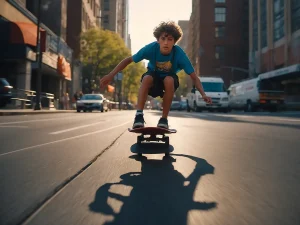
(122, 65)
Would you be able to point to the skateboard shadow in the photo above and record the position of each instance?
(160, 194)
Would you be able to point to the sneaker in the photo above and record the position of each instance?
(138, 121)
(163, 123)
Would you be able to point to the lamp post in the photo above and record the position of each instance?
(38, 60)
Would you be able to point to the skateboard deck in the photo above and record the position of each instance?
(152, 130)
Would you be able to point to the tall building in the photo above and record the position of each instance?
(183, 43)
(274, 43)
(81, 15)
(218, 44)
(114, 14)
(18, 46)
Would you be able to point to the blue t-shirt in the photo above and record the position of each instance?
(165, 64)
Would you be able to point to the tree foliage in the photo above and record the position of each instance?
(101, 51)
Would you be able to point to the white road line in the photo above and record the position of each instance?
(31, 121)
(65, 139)
(76, 128)
(8, 126)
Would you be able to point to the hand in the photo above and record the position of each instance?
(105, 80)
(207, 99)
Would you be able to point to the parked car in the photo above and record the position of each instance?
(214, 87)
(254, 93)
(90, 102)
(5, 92)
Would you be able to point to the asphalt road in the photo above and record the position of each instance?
(77, 168)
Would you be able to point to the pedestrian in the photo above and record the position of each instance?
(166, 59)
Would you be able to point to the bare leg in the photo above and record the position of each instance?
(143, 92)
(168, 95)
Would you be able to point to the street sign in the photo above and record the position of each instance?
(119, 76)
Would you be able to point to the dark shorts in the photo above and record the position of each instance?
(158, 84)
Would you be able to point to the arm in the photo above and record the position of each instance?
(197, 83)
(107, 78)
(122, 65)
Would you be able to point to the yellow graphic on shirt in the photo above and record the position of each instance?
(164, 66)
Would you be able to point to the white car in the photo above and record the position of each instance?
(214, 87)
(90, 102)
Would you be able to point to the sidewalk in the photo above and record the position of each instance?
(10, 112)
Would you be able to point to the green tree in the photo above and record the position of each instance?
(101, 51)
(131, 81)
(182, 89)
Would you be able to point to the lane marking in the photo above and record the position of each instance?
(62, 140)
(8, 126)
(76, 128)
(32, 121)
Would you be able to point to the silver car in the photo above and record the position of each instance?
(90, 102)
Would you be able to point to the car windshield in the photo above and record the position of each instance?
(91, 97)
(213, 87)
(4, 82)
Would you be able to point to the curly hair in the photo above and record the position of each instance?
(170, 28)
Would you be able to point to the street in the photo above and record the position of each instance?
(77, 168)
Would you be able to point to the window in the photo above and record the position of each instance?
(106, 5)
(106, 19)
(220, 14)
(220, 52)
(220, 32)
(220, 1)
(263, 24)
(278, 18)
(295, 11)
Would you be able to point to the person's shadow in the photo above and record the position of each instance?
(160, 194)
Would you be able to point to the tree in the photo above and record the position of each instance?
(182, 89)
(131, 81)
(101, 51)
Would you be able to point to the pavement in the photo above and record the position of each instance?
(78, 168)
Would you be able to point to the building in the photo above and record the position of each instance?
(81, 15)
(274, 43)
(18, 45)
(183, 43)
(114, 14)
(218, 44)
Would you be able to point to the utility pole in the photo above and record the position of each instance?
(38, 60)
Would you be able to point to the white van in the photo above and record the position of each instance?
(254, 93)
(214, 87)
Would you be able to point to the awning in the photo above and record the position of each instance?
(26, 33)
(63, 67)
(280, 72)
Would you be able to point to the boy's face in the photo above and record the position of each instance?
(166, 43)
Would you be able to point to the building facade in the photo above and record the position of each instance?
(18, 61)
(274, 43)
(81, 15)
(218, 44)
(114, 17)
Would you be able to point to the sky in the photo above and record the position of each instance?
(145, 15)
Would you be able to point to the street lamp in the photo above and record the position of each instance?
(38, 60)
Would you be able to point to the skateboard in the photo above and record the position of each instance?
(150, 135)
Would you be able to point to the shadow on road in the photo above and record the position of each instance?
(160, 194)
(224, 118)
